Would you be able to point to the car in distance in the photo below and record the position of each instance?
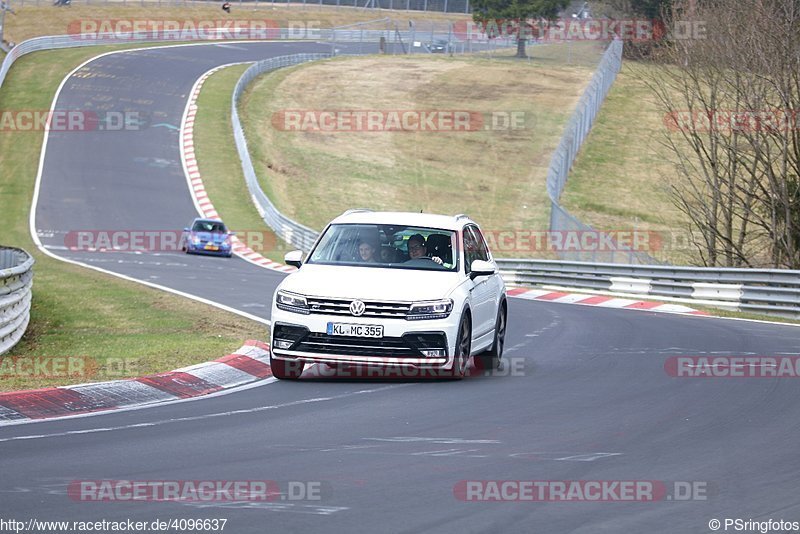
(208, 236)
(438, 46)
(391, 290)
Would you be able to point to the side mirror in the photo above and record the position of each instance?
(481, 268)
(231, 233)
(294, 258)
(186, 230)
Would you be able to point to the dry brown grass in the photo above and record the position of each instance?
(33, 21)
(497, 177)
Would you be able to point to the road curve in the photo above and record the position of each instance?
(588, 400)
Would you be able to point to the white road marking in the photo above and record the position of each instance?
(411, 439)
(314, 509)
(230, 46)
(201, 417)
(38, 185)
(589, 457)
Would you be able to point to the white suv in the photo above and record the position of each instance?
(391, 290)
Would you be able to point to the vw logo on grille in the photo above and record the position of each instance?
(357, 308)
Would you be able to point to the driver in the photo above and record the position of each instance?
(417, 249)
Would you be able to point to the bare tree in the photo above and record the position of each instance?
(731, 98)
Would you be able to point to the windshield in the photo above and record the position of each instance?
(209, 226)
(387, 246)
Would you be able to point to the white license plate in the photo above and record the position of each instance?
(355, 330)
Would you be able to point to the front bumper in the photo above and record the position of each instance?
(401, 345)
(224, 250)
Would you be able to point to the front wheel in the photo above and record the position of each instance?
(286, 369)
(463, 347)
(491, 358)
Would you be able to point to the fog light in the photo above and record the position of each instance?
(282, 344)
(433, 353)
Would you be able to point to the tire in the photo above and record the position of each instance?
(285, 369)
(492, 358)
(463, 346)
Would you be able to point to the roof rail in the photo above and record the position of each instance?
(461, 216)
(356, 210)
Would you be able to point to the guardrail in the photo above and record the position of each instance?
(767, 291)
(55, 42)
(16, 279)
(442, 6)
(290, 231)
(333, 35)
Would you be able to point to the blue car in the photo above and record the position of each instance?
(208, 236)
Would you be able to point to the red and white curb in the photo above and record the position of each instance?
(602, 301)
(196, 187)
(248, 364)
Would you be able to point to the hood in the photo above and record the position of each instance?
(370, 283)
(208, 236)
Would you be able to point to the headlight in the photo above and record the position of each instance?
(195, 240)
(291, 302)
(435, 309)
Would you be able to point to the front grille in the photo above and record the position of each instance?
(385, 347)
(373, 308)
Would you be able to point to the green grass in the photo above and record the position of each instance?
(619, 180)
(722, 312)
(33, 21)
(78, 312)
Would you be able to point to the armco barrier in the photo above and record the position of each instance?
(767, 291)
(442, 6)
(16, 279)
(55, 42)
(332, 35)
